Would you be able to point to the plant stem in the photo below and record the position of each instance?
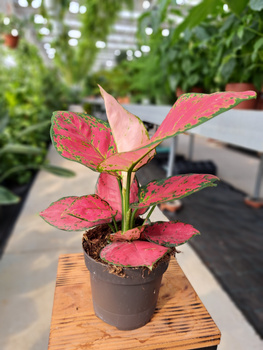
(149, 214)
(126, 211)
(253, 31)
(111, 227)
(122, 200)
(132, 223)
(115, 224)
(249, 28)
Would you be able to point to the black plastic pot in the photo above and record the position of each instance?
(124, 302)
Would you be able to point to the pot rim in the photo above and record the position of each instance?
(130, 273)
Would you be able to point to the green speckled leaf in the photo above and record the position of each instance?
(190, 110)
(82, 138)
(132, 254)
(174, 187)
(169, 234)
(91, 208)
(130, 235)
(57, 214)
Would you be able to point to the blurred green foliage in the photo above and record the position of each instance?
(216, 42)
(139, 79)
(29, 93)
(75, 61)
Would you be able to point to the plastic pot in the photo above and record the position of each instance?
(11, 40)
(124, 302)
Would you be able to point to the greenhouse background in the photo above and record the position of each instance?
(53, 55)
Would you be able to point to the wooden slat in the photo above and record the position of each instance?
(180, 321)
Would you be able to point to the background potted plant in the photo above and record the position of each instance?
(134, 248)
(10, 28)
(217, 42)
(188, 65)
(241, 43)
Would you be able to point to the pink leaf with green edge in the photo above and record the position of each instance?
(132, 254)
(169, 234)
(56, 216)
(90, 208)
(82, 138)
(174, 187)
(128, 130)
(107, 188)
(127, 160)
(130, 235)
(190, 110)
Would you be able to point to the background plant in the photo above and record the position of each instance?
(29, 90)
(240, 39)
(216, 42)
(10, 22)
(75, 62)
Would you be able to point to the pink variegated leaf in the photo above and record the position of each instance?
(82, 138)
(56, 216)
(128, 130)
(130, 235)
(127, 160)
(107, 188)
(132, 254)
(190, 110)
(174, 187)
(169, 234)
(90, 208)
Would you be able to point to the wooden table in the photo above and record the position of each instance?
(180, 321)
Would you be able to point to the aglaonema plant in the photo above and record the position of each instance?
(117, 149)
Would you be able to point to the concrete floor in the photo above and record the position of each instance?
(29, 264)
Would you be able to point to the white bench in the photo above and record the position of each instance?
(238, 127)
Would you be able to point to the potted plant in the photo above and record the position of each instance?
(10, 27)
(241, 44)
(127, 255)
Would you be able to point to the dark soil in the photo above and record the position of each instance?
(95, 239)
